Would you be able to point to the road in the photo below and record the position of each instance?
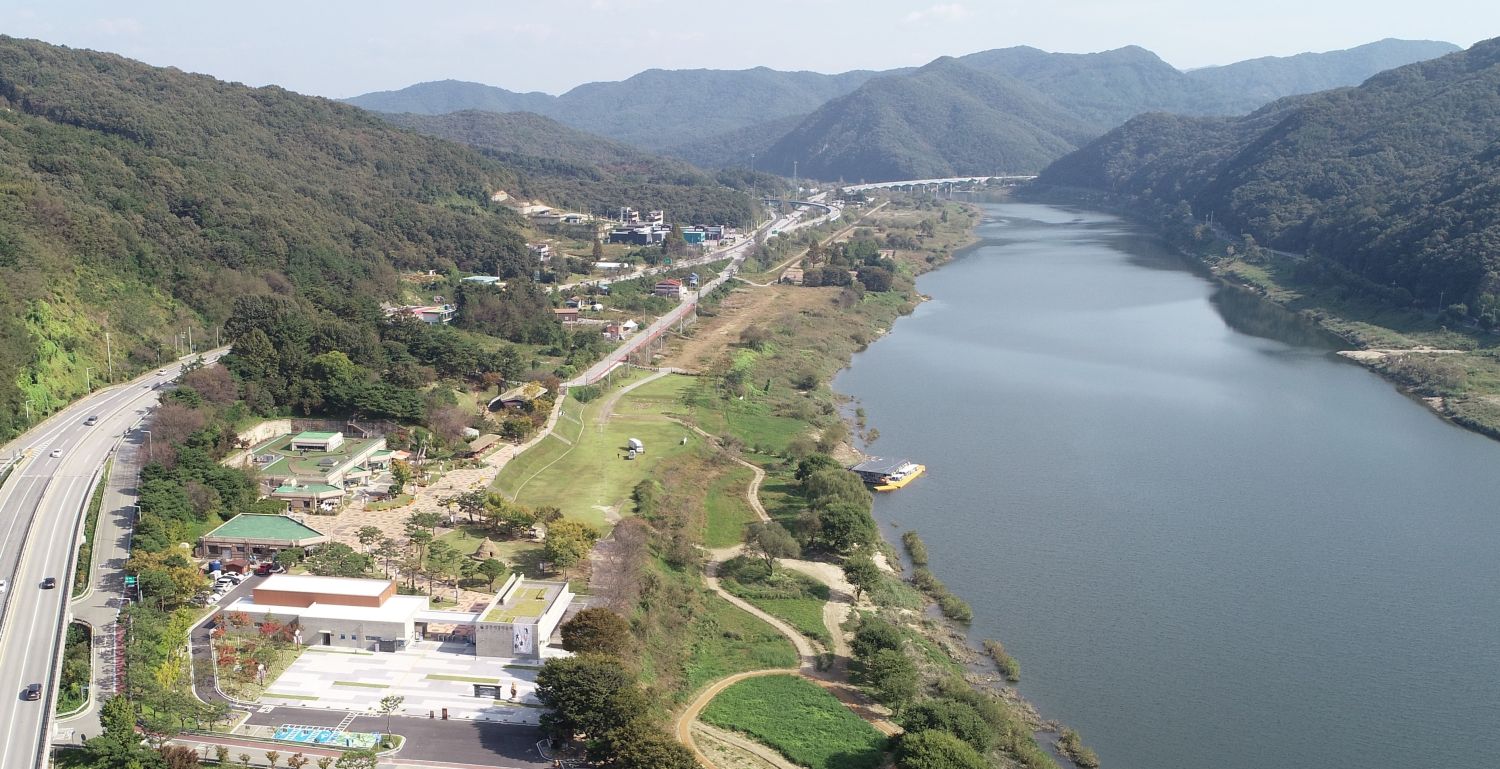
(736, 254)
(41, 507)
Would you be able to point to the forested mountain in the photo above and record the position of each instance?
(891, 124)
(943, 119)
(570, 168)
(440, 97)
(655, 109)
(141, 200)
(1395, 183)
(1248, 85)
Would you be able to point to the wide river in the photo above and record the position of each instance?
(1209, 548)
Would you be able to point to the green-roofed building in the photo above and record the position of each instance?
(313, 470)
(258, 537)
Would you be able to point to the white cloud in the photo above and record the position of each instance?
(939, 12)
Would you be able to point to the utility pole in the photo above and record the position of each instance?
(88, 378)
(752, 162)
(109, 354)
(190, 340)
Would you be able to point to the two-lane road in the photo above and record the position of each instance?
(41, 506)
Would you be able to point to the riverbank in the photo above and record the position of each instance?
(806, 336)
(1443, 362)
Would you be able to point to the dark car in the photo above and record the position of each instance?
(49, 583)
(32, 692)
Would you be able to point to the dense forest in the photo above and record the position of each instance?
(1391, 188)
(571, 168)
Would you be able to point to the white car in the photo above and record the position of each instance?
(55, 453)
(213, 599)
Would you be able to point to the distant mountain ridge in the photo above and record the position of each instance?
(1393, 184)
(721, 117)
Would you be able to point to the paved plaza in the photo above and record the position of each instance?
(430, 675)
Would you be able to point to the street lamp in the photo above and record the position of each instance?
(88, 378)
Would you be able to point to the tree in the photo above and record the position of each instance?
(596, 630)
(289, 557)
(492, 569)
(755, 337)
(273, 757)
(844, 526)
(445, 561)
(180, 757)
(401, 474)
(876, 278)
(387, 551)
(598, 251)
(586, 694)
(934, 749)
(641, 744)
(325, 762)
(388, 705)
(119, 747)
(568, 542)
(873, 635)
(956, 717)
(862, 572)
(337, 559)
(770, 540)
(471, 503)
(891, 677)
(368, 536)
(297, 761)
(358, 759)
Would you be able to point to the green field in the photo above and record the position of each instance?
(790, 596)
(727, 511)
(731, 640)
(800, 721)
(584, 472)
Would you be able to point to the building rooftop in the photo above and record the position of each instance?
(310, 435)
(263, 527)
(307, 488)
(307, 583)
(398, 608)
(285, 461)
(878, 465)
(530, 601)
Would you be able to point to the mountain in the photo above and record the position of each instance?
(736, 147)
(1247, 85)
(943, 119)
(443, 96)
(655, 109)
(141, 201)
(570, 168)
(917, 124)
(1392, 184)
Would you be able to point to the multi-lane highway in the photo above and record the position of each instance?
(41, 507)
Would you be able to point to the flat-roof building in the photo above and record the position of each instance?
(336, 611)
(312, 470)
(521, 619)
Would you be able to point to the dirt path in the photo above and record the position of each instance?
(739, 751)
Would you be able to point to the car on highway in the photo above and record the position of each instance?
(162, 372)
(3, 585)
(55, 453)
(32, 692)
(91, 421)
(49, 583)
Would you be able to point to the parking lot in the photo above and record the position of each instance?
(431, 676)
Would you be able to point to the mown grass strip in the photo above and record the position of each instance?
(289, 696)
(465, 679)
(360, 684)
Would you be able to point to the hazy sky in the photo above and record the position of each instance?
(337, 48)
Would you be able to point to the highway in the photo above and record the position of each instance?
(41, 508)
(736, 254)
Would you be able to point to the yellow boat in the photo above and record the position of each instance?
(883, 475)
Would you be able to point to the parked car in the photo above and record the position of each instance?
(49, 583)
(213, 599)
(264, 570)
(32, 692)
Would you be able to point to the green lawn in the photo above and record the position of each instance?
(799, 720)
(587, 474)
(790, 596)
(731, 640)
(727, 511)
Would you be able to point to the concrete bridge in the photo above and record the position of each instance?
(932, 182)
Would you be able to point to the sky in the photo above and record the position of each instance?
(338, 49)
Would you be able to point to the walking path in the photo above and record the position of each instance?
(100, 604)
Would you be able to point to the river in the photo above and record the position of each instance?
(1208, 547)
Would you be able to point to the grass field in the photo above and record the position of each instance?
(727, 511)
(791, 596)
(584, 472)
(731, 640)
(799, 720)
